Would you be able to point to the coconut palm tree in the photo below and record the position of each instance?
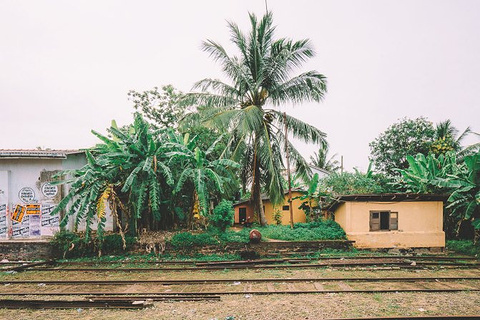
(322, 161)
(447, 138)
(260, 80)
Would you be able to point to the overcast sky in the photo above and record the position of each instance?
(66, 66)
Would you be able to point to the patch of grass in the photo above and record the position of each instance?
(187, 240)
(317, 230)
(463, 247)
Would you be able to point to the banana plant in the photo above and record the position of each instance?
(464, 201)
(423, 173)
(206, 177)
(313, 197)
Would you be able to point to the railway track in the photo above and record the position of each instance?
(239, 286)
(402, 263)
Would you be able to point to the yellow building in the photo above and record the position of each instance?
(244, 210)
(391, 220)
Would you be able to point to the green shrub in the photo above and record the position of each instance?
(113, 243)
(230, 236)
(316, 230)
(223, 215)
(68, 244)
(185, 240)
(463, 247)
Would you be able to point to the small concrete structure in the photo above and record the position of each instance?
(391, 220)
(244, 210)
(26, 196)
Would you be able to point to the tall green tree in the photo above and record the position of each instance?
(390, 149)
(160, 107)
(260, 80)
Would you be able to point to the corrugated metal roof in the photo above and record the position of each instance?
(36, 154)
(385, 197)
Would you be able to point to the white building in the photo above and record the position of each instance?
(27, 197)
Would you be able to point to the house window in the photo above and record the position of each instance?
(383, 220)
(286, 208)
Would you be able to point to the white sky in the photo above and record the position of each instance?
(66, 66)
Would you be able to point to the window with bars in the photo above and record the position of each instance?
(383, 220)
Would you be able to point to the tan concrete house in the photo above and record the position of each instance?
(391, 220)
(244, 210)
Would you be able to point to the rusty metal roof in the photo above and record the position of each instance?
(385, 197)
(36, 154)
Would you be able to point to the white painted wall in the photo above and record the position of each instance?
(16, 174)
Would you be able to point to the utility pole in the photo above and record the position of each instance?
(287, 154)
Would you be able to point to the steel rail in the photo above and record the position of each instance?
(66, 304)
(193, 262)
(29, 265)
(215, 281)
(402, 264)
(454, 317)
(250, 292)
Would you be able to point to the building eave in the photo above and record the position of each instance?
(385, 197)
(16, 154)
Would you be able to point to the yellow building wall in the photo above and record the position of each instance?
(341, 215)
(298, 214)
(420, 224)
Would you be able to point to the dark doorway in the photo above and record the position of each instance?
(242, 215)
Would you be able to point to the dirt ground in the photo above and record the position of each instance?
(275, 306)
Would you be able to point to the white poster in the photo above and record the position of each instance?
(34, 228)
(49, 224)
(21, 229)
(3, 221)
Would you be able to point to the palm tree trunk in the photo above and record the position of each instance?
(256, 198)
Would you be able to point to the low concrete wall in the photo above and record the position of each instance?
(264, 248)
(43, 250)
(14, 250)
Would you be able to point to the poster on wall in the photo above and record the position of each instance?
(49, 224)
(32, 209)
(34, 227)
(21, 229)
(3, 220)
(18, 213)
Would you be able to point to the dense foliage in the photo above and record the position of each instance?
(463, 247)
(357, 182)
(147, 178)
(446, 175)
